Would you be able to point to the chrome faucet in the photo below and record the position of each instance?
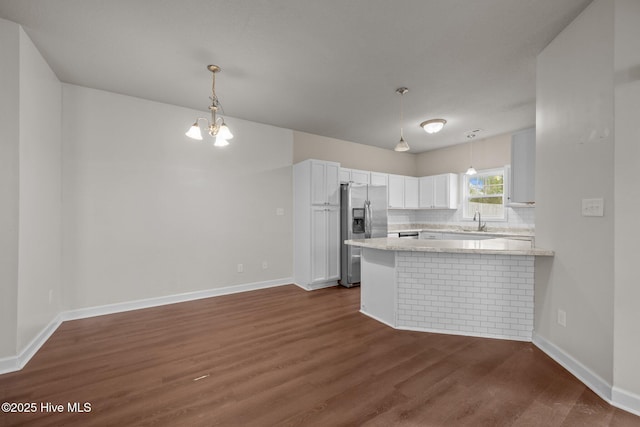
(481, 226)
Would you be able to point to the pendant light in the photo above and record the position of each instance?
(402, 144)
(217, 128)
(471, 170)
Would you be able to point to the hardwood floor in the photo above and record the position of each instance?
(284, 356)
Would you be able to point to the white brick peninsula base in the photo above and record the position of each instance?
(479, 288)
(471, 294)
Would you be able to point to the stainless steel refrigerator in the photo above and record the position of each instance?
(363, 215)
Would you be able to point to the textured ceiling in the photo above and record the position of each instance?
(327, 67)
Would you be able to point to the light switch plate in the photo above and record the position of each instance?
(592, 207)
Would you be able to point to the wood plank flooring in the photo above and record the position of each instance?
(284, 356)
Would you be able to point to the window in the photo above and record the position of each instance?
(484, 193)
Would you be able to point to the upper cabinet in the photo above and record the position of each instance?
(439, 191)
(411, 192)
(523, 165)
(378, 178)
(345, 175)
(427, 192)
(396, 191)
(354, 175)
(325, 183)
(403, 192)
(360, 177)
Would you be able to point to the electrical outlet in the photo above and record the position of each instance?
(562, 318)
(280, 211)
(265, 265)
(240, 268)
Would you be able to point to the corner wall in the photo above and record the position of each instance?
(30, 220)
(627, 199)
(575, 161)
(40, 229)
(9, 184)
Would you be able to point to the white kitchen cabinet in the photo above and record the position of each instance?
(325, 182)
(523, 165)
(360, 177)
(403, 192)
(378, 178)
(439, 191)
(411, 192)
(396, 191)
(429, 235)
(325, 243)
(316, 224)
(427, 194)
(354, 175)
(446, 191)
(345, 175)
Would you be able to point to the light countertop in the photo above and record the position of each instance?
(489, 246)
(493, 232)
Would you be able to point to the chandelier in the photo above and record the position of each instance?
(216, 127)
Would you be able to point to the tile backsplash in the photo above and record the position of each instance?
(517, 217)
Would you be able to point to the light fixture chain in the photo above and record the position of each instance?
(402, 144)
(401, 116)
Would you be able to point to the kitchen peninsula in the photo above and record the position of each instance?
(469, 287)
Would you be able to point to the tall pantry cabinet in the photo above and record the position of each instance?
(316, 200)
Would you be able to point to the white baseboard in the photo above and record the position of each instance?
(463, 333)
(615, 396)
(12, 364)
(378, 319)
(316, 286)
(625, 400)
(16, 363)
(83, 313)
(592, 380)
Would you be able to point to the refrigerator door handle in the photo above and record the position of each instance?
(368, 218)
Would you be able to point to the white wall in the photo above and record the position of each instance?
(627, 196)
(149, 212)
(9, 182)
(40, 256)
(575, 160)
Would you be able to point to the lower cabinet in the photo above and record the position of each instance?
(325, 245)
(316, 253)
(429, 235)
(316, 224)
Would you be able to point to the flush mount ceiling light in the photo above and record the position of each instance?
(217, 128)
(433, 125)
(402, 144)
